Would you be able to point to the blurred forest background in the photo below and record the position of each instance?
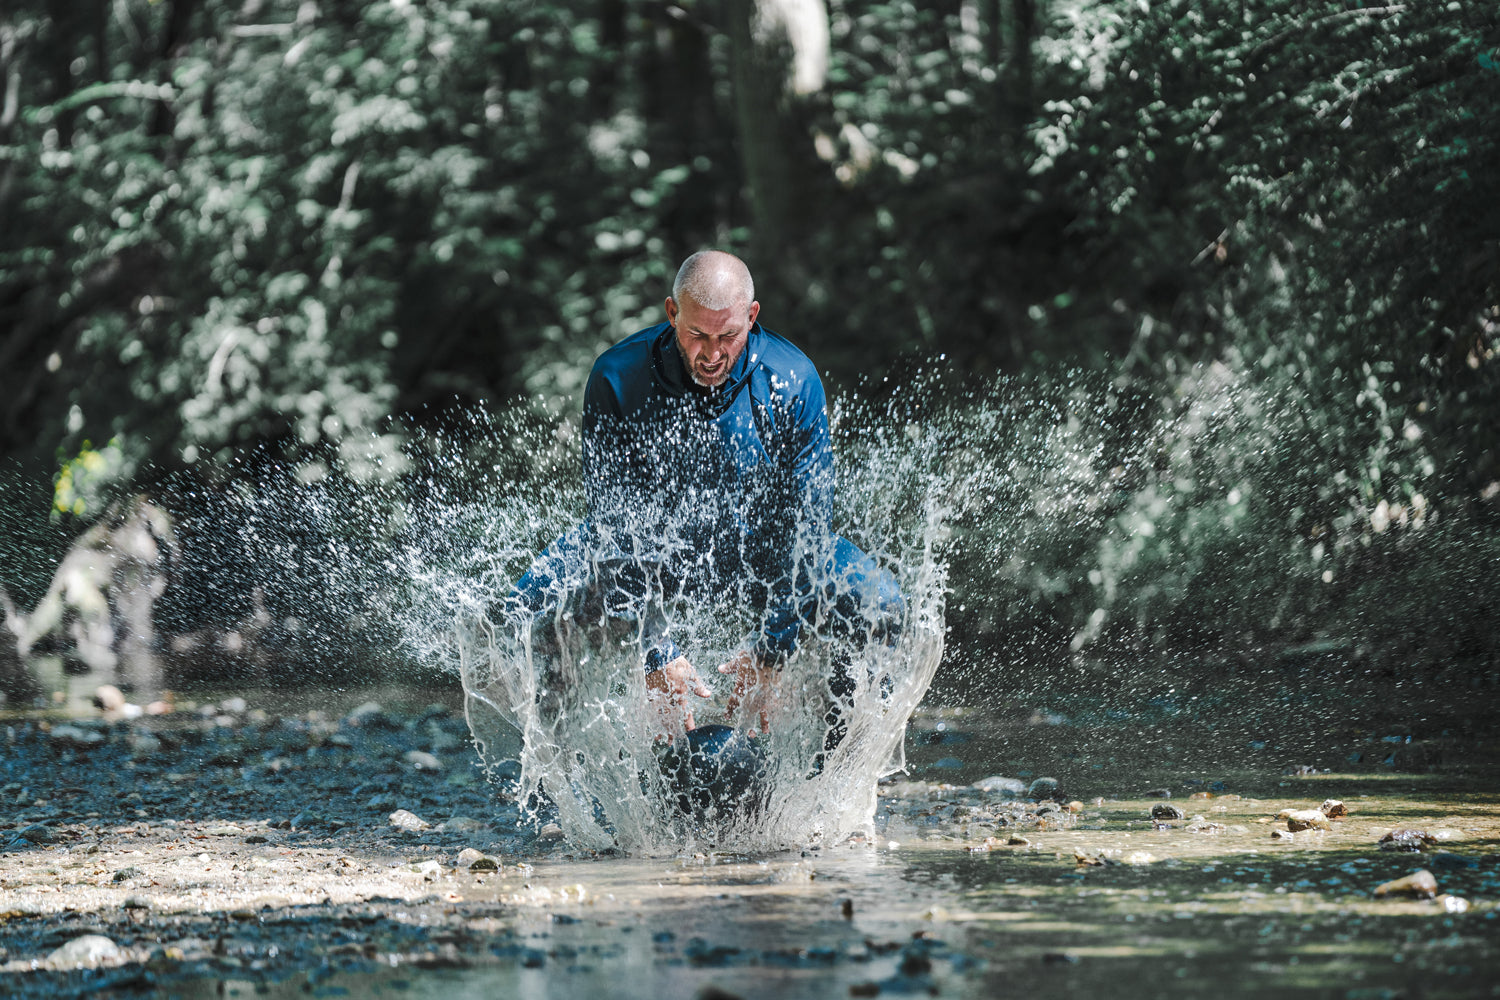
(1256, 245)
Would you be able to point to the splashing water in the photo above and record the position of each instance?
(1060, 526)
(570, 682)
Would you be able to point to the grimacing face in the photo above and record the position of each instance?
(711, 340)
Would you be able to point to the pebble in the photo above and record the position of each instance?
(86, 952)
(475, 860)
(410, 822)
(76, 738)
(995, 784)
(422, 760)
(1419, 885)
(462, 824)
(1453, 904)
(1283, 835)
(1165, 810)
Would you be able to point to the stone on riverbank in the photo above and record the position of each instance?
(1419, 884)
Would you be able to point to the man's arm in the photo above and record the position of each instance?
(806, 449)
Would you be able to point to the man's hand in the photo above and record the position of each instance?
(754, 688)
(667, 690)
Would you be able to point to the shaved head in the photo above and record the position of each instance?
(715, 280)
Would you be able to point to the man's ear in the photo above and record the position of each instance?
(754, 312)
(672, 311)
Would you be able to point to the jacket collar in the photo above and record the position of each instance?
(671, 372)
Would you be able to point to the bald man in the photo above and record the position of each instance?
(709, 481)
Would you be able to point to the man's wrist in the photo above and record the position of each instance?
(661, 654)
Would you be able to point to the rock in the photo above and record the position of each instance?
(233, 706)
(1333, 809)
(550, 832)
(1406, 840)
(1165, 810)
(427, 869)
(136, 903)
(1044, 788)
(1453, 904)
(109, 698)
(1298, 820)
(142, 745)
(422, 760)
(997, 785)
(408, 822)
(364, 713)
(126, 874)
(475, 860)
(1283, 835)
(85, 952)
(37, 833)
(1075, 806)
(462, 824)
(76, 738)
(1418, 885)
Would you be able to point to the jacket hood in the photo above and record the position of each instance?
(669, 370)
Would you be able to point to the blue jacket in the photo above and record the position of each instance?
(729, 484)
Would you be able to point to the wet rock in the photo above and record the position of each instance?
(462, 824)
(1044, 788)
(126, 874)
(422, 760)
(1298, 820)
(1333, 809)
(1285, 835)
(476, 861)
(997, 785)
(224, 830)
(1453, 904)
(550, 833)
(1406, 840)
(37, 833)
(846, 909)
(1419, 884)
(408, 822)
(86, 952)
(1075, 806)
(143, 745)
(1167, 811)
(76, 738)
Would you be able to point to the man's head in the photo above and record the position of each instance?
(712, 308)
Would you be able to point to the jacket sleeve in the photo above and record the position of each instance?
(611, 492)
(807, 450)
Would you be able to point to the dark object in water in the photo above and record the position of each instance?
(722, 773)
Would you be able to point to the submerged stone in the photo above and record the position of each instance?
(86, 952)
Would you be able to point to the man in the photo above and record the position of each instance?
(709, 481)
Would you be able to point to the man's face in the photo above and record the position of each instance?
(711, 340)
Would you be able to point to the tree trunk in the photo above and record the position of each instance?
(779, 58)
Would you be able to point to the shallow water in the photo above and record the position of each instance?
(1194, 913)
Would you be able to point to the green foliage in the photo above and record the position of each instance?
(1273, 229)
